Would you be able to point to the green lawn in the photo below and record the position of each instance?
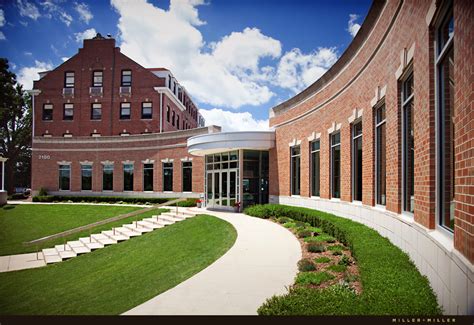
(117, 278)
(391, 283)
(23, 223)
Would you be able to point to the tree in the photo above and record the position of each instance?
(15, 128)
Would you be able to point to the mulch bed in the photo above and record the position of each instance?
(351, 274)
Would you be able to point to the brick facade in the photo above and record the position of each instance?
(115, 140)
(396, 37)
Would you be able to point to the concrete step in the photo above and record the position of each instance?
(115, 235)
(136, 227)
(65, 251)
(149, 224)
(162, 221)
(173, 215)
(49, 259)
(49, 252)
(86, 241)
(168, 219)
(127, 232)
(78, 247)
(154, 221)
(103, 239)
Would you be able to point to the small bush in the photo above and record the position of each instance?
(321, 239)
(305, 265)
(315, 278)
(345, 260)
(337, 253)
(316, 230)
(283, 220)
(322, 259)
(42, 192)
(337, 268)
(289, 225)
(350, 277)
(100, 199)
(315, 248)
(17, 196)
(304, 233)
(301, 224)
(335, 248)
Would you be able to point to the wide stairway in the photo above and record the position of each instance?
(116, 235)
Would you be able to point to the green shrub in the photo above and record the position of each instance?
(42, 192)
(304, 233)
(316, 230)
(289, 225)
(315, 278)
(322, 259)
(17, 196)
(100, 199)
(392, 285)
(321, 239)
(335, 248)
(315, 248)
(306, 265)
(345, 260)
(337, 253)
(191, 202)
(337, 268)
(350, 277)
(284, 220)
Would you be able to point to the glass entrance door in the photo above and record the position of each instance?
(222, 188)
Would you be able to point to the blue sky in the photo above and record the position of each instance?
(237, 59)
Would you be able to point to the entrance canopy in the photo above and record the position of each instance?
(206, 144)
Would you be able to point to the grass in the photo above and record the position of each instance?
(315, 278)
(117, 278)
(322, 259)
(23, 223)
(391, 283)
(337, 268)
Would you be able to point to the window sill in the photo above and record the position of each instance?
(357, 202)
(146, 119)
(96, 120)
(380, 207)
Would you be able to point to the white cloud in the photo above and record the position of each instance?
(84, 12)
(2, 18)
(28, 9)
(54, 10)
(233, 121)
(87, 34)
(352, 26)
(227, 73)
(26, 75)
(65, 58)
(297, 71)
(23, 23)
(27, 53)
(2, 36)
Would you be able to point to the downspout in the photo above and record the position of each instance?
(161, 112)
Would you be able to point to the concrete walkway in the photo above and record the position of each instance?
(262, 263)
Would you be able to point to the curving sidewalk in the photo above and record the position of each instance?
(261, 263)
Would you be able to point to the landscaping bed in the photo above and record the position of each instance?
(390, 284)
(325, 261)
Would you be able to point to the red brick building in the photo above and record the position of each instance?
(105, 125)
(386, 138)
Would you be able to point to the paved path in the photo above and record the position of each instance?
(261, 263)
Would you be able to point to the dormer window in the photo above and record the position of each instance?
(97, 79)
(69, 80)
(126, 78)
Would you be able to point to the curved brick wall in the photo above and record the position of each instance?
(396, 34)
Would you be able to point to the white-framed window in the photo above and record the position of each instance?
(125, 111)
(96, 111)
(445, 127)
(408, 144)
(69, 79)
(357, 161)
(335, 140)
(295, 169)
(97, 78)
(47, 112)
(64, 177)
(380, 155)
(147, 110)
(68, 112)
(315, 147)
(126, 78)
